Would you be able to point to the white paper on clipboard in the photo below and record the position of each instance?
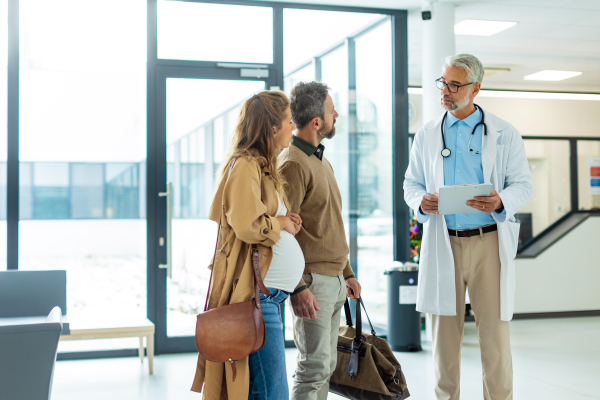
(453, 199)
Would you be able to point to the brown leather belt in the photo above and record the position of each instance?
(472, 232)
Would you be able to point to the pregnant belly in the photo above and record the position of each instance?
(287, 264)
(288, 251)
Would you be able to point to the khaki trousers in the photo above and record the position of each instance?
(317, 340)
(477, 267)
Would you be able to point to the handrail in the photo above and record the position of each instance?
(569, 221)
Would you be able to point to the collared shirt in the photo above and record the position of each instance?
(308, 148)
(463, 167)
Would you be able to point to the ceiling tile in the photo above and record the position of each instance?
(496, 12)
(584, 4)
(535, 29)
(567, 16)
(578, 33)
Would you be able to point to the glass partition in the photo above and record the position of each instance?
(375, 196)
(551, 197)
(588, 166)
(354, 58)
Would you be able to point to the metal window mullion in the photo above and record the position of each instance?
(574, 175)
(318, 69)
(12, 130)
(105, 192)
(152, 229)
(70, 167)
(209, 162)
(278, 43)
(353, 156)
(400, 134)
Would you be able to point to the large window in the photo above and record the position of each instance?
(3, 137)
(119, 101)
(375, 183)
(82, 151)
(197, 136)
(353, 56)
(237, 33)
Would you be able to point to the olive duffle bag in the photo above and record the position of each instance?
(366, 367)
(231, 332)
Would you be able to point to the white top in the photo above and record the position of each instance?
(287, 266)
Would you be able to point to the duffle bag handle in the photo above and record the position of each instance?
(359, 338)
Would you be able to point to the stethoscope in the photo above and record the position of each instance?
(446, 151)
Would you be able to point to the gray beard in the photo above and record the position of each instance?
(326, 132)
(457, 105)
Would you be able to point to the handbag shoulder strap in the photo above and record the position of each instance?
(216, 245)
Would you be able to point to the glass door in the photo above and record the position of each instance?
(198, 110)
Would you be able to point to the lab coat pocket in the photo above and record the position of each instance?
(501, 162)
(513, 237)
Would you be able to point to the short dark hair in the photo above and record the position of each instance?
(307, 101)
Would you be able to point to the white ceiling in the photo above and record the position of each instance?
(550, 34)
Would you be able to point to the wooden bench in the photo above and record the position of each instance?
(122, 328)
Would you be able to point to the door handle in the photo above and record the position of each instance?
(169, 195)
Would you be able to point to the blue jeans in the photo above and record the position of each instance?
(268, 377)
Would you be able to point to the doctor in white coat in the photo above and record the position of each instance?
(473, 252)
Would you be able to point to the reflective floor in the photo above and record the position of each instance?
(552, 359)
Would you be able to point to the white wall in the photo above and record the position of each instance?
(535, 117)
(565, 277)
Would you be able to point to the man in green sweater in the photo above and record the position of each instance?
(313, 191)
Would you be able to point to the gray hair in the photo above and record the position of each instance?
(307, 101)
(469, 63)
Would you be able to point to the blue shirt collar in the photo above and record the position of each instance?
(471, 120)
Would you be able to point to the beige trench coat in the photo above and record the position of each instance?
(245, 203)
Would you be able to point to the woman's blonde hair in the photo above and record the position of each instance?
(253, 135)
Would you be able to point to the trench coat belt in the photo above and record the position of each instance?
(473, 232)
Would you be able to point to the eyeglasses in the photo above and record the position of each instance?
(452, 87)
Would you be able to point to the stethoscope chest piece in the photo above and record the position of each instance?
(446, 151)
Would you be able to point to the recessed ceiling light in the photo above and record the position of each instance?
(550, 75)
(481, 28)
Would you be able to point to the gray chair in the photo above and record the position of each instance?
(32, 294)
(27, 357)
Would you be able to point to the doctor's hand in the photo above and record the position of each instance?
(486, 204)
(429, 204)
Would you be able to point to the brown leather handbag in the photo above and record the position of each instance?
(231, 332)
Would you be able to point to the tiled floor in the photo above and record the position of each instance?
(552, 358)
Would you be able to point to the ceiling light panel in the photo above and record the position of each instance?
(481, 28)
(551, 75)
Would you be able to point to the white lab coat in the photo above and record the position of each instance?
(505, 166)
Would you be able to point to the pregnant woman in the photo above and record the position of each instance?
(252, 209)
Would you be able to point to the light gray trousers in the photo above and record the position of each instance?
(317, 340)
